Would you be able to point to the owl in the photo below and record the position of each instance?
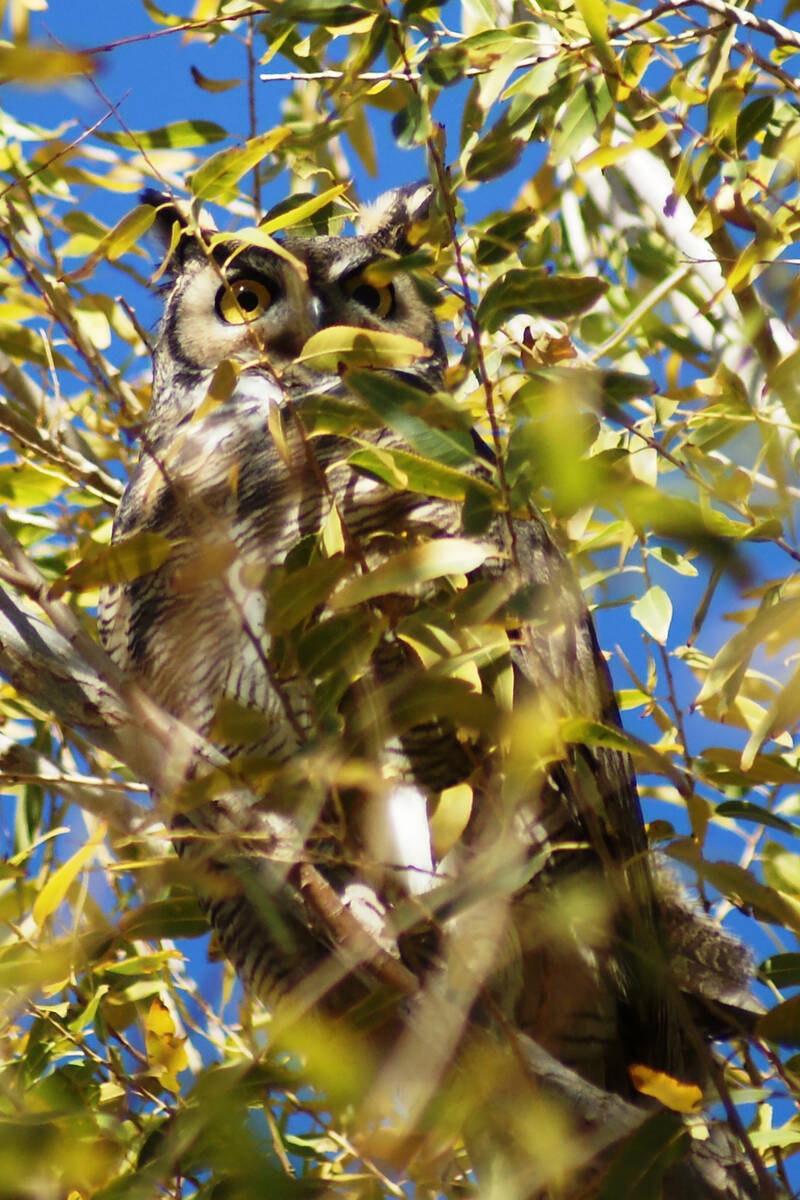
(342, 603)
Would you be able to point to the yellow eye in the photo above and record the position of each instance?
(242, 301)
(376, 298)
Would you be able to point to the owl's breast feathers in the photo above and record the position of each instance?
(234, 501)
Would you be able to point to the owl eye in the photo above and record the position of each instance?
(375, 298)
(243, 300)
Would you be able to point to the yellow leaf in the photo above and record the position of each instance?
(337, 344)
(595, 14)
(166, 1054)
(222, 384)
(217, 177)
(431, 560)
(302, 211)
(39, 66)
(129, 559)
(606, 156)
(680, 1097)
(450, 817)
(57, 885)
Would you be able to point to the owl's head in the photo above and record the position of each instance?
(257, 304)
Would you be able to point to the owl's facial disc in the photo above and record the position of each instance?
(248, 311)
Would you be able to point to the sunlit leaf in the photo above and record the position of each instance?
(58, 884)
(344, 344)
(166, 1053)
(293, 595)
(653, 611)
(530, 292)
(301, 212)
(680, 1097)
(217, 177)
(431, 560)
(176, 136)
(40, 66)
(127, 559)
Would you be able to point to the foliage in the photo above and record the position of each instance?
(623, 307)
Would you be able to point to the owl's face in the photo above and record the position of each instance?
(257, 307)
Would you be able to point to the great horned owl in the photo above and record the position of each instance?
(345, 607)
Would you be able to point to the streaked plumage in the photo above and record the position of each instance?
(278, 490)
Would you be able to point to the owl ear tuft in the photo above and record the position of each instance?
(179, 243)
(390, 219)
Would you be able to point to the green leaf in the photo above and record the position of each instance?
(743, 810)
(782, 969)
(332, 13)
(782, 1023)
(636, 1171)
(737, 884)
(782, 713)
(589, 103)
(296, 213)
(118, 241)
(340, 643)
(411, 126)
(724, 764)
(531, 293)
(392, 399)
(497, 152)
(218, 176)
(433, 698)
(653, 611)
(581, 732)
(293, 595)
(444, 65)
(213, 85)
(754, 117)
(57, 884)
(500, 239)
(127, 559)
(404, 571)
(406, 472)
(177, 136)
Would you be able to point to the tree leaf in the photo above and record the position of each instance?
(637, 1170)
(407, 570)
(216, 179)
(127, 559)
(179, 135)
(344, 344)
(531, 293)
(58, 884)
(677, 1096)
(41, 66)
(213, 85)
(744, 810)
(782, 1023)
(653, 611)
(297, 213)
(166, 1053)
